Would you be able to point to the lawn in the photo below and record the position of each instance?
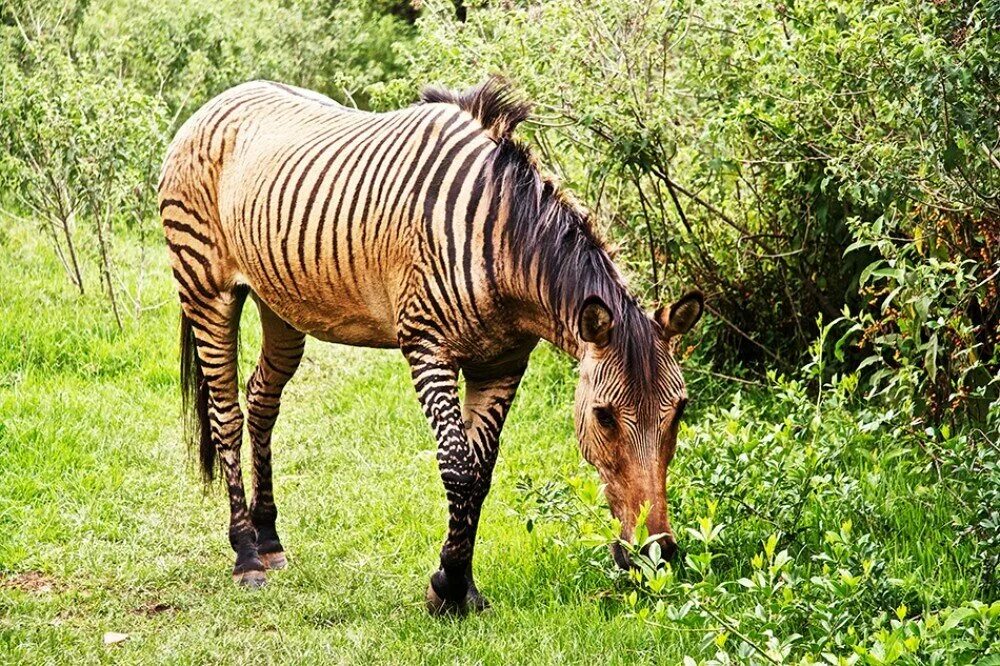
(105, 527)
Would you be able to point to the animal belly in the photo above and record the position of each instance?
(329, 314)
(355, 329)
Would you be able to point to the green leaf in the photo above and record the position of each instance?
(956, 617)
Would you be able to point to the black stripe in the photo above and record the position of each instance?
(325, 208)
(382, 206)
(470, 218)
(184, 207)
(186, 229)
(303, 150)
(488, 249)
(404, 182)
(366, 186)
(353, 158)
(456, 186)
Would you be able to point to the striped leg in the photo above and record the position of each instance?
(487, 402)
(280, 354)
(216, 333)
(467, 449)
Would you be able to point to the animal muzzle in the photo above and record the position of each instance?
(668, 551)
(632, 495)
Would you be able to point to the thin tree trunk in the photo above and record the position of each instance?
(59, 202)
(67, 232)
(50, 226)
(106, 264)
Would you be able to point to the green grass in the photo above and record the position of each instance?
(99, 502)
(98, 495)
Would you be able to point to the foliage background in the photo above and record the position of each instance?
(828, 172)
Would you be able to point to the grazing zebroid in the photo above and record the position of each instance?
(428, 229)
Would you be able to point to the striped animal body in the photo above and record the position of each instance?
(428, 229)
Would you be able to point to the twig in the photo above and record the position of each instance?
(672, 185)
(703, 371)
(733, 630)
(106, 260)
(736, 328)
(350, 98)
(649, 233)
(757, 513)
(183, 104)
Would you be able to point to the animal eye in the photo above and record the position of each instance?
(605, 416)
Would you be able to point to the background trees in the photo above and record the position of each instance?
(827, 171)
(799, 161)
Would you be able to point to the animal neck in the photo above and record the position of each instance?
(556, 264)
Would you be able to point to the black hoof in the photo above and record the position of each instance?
(476, 602)
(472, 603)
(250, 580)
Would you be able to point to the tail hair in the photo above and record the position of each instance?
(194, 400)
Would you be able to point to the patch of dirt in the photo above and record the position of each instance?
(154, 608)
(33, 582)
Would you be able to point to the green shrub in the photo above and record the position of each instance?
(813, 531)
(81, 155)
(92, 90)
(745, 146)
(189, 50)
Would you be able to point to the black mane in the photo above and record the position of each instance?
(546, 225)
(493, 103)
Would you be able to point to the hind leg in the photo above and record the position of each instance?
(216, 325)
(280, 354)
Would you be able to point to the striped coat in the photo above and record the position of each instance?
(426, 229)
(347, 223)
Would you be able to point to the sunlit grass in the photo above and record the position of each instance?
(99, 501)
(98, 495)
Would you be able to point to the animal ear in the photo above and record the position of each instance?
(595, 322)
(681, 317)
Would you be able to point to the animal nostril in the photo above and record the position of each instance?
(668, 549)
(620, 557)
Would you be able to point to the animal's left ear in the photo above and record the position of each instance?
(595, 322)
(680, 317)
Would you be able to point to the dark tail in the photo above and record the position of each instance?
(194, 394)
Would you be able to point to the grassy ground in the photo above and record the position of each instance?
(105, 528)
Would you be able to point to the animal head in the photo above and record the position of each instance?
(629, 403)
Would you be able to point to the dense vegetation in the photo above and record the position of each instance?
(828, 172)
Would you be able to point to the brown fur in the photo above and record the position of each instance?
(428, 229)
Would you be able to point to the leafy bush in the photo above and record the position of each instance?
(814, 531)
(188, 50)
(92, 90)
(932, 352)
(972, 464)
(746, 146)
(81, 155)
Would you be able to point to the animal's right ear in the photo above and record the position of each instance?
(595, 322)
(680, 317)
